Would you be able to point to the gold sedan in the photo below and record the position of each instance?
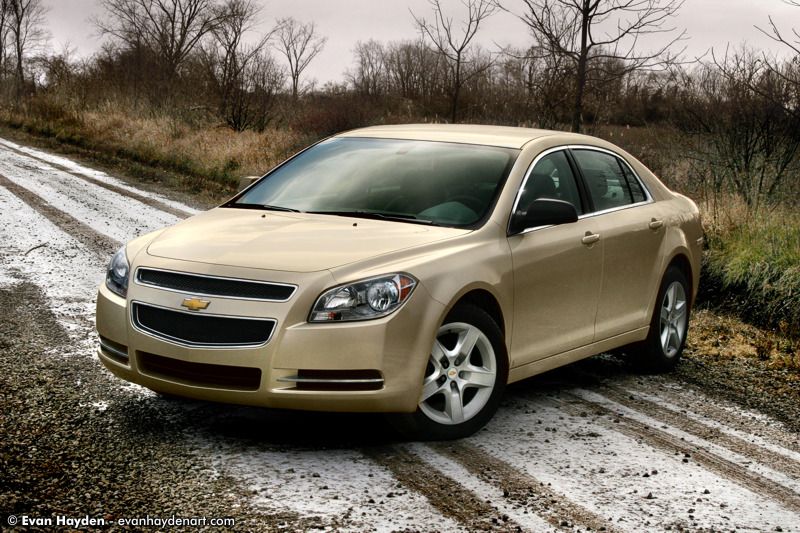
(411, 269)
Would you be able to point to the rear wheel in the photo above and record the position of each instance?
(664, 345)
(464, 380)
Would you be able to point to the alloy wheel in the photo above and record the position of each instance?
(461, 374)
(673, 319)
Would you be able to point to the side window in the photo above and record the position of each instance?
(551, 178)
(636, 188)
(605, 179)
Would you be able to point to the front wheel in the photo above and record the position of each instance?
(669, 324)
(464, 380)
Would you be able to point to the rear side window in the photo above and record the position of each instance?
(551, 178)
(606, 180)
(636, 188)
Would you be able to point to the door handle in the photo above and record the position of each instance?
(655, 223)
(590, 238)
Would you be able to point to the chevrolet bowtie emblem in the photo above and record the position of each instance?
(195, 304)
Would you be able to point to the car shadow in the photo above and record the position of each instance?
(176, 418)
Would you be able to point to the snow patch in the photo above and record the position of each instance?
(33, 248)
(341, 489)
(112, 214)
(612, 474)
(96, 174)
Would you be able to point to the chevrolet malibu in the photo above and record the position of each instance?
(412, 269)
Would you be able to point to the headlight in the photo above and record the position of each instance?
(117, 274)
(363, 300)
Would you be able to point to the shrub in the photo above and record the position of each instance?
(753, 265)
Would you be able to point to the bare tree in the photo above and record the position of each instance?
(454, 45)
(746, 140)
(534, 87)
(369, 76)
(4, 31)
(25, 22)
(788, 71)
(244, 74)
(300, 44)
(414, 70)
(793, 42)
(170, 28)
(573, 29)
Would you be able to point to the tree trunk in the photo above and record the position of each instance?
(456, 93)
(580, 87)
(20, 74)
(580, 80)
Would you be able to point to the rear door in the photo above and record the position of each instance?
(631, 228)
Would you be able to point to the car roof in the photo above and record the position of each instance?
(504, 136)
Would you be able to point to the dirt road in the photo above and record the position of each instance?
(590, 447)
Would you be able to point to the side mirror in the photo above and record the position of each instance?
(247, 181)
(543, 212)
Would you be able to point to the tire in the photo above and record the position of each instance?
(462, 387)
(662, 348)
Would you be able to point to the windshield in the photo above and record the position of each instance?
(413, 181)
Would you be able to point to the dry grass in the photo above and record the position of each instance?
(209, 156)
(718, 336)
(753, 262)
(211, 151)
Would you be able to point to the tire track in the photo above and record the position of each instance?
(102, 245)
(700, 406)
(764, 456)
(523, 488)
(664, 441)
(719, 414)
(442, 492)
(151, 202)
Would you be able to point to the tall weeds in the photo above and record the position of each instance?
(752, 264)
(212, 157)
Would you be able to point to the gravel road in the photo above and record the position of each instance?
(590, 447)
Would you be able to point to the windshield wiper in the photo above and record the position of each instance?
(265, 207)
(400, 217)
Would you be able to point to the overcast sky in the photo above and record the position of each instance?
(709, 23)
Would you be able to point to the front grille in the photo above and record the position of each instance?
(215, 286)
(207, 375)
(196, 329)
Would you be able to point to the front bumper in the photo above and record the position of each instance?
(395, 348)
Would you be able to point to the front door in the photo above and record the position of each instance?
(557, 270)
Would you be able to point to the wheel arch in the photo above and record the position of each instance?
(681, 261)
(484, 300)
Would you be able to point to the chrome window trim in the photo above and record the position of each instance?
(209, 276)
(528, 172)
(188, 344)
(649, 197)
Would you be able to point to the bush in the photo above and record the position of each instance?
(753, 266)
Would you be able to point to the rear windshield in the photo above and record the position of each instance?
(439, 183)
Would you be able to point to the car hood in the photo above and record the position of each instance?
(297, 242)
